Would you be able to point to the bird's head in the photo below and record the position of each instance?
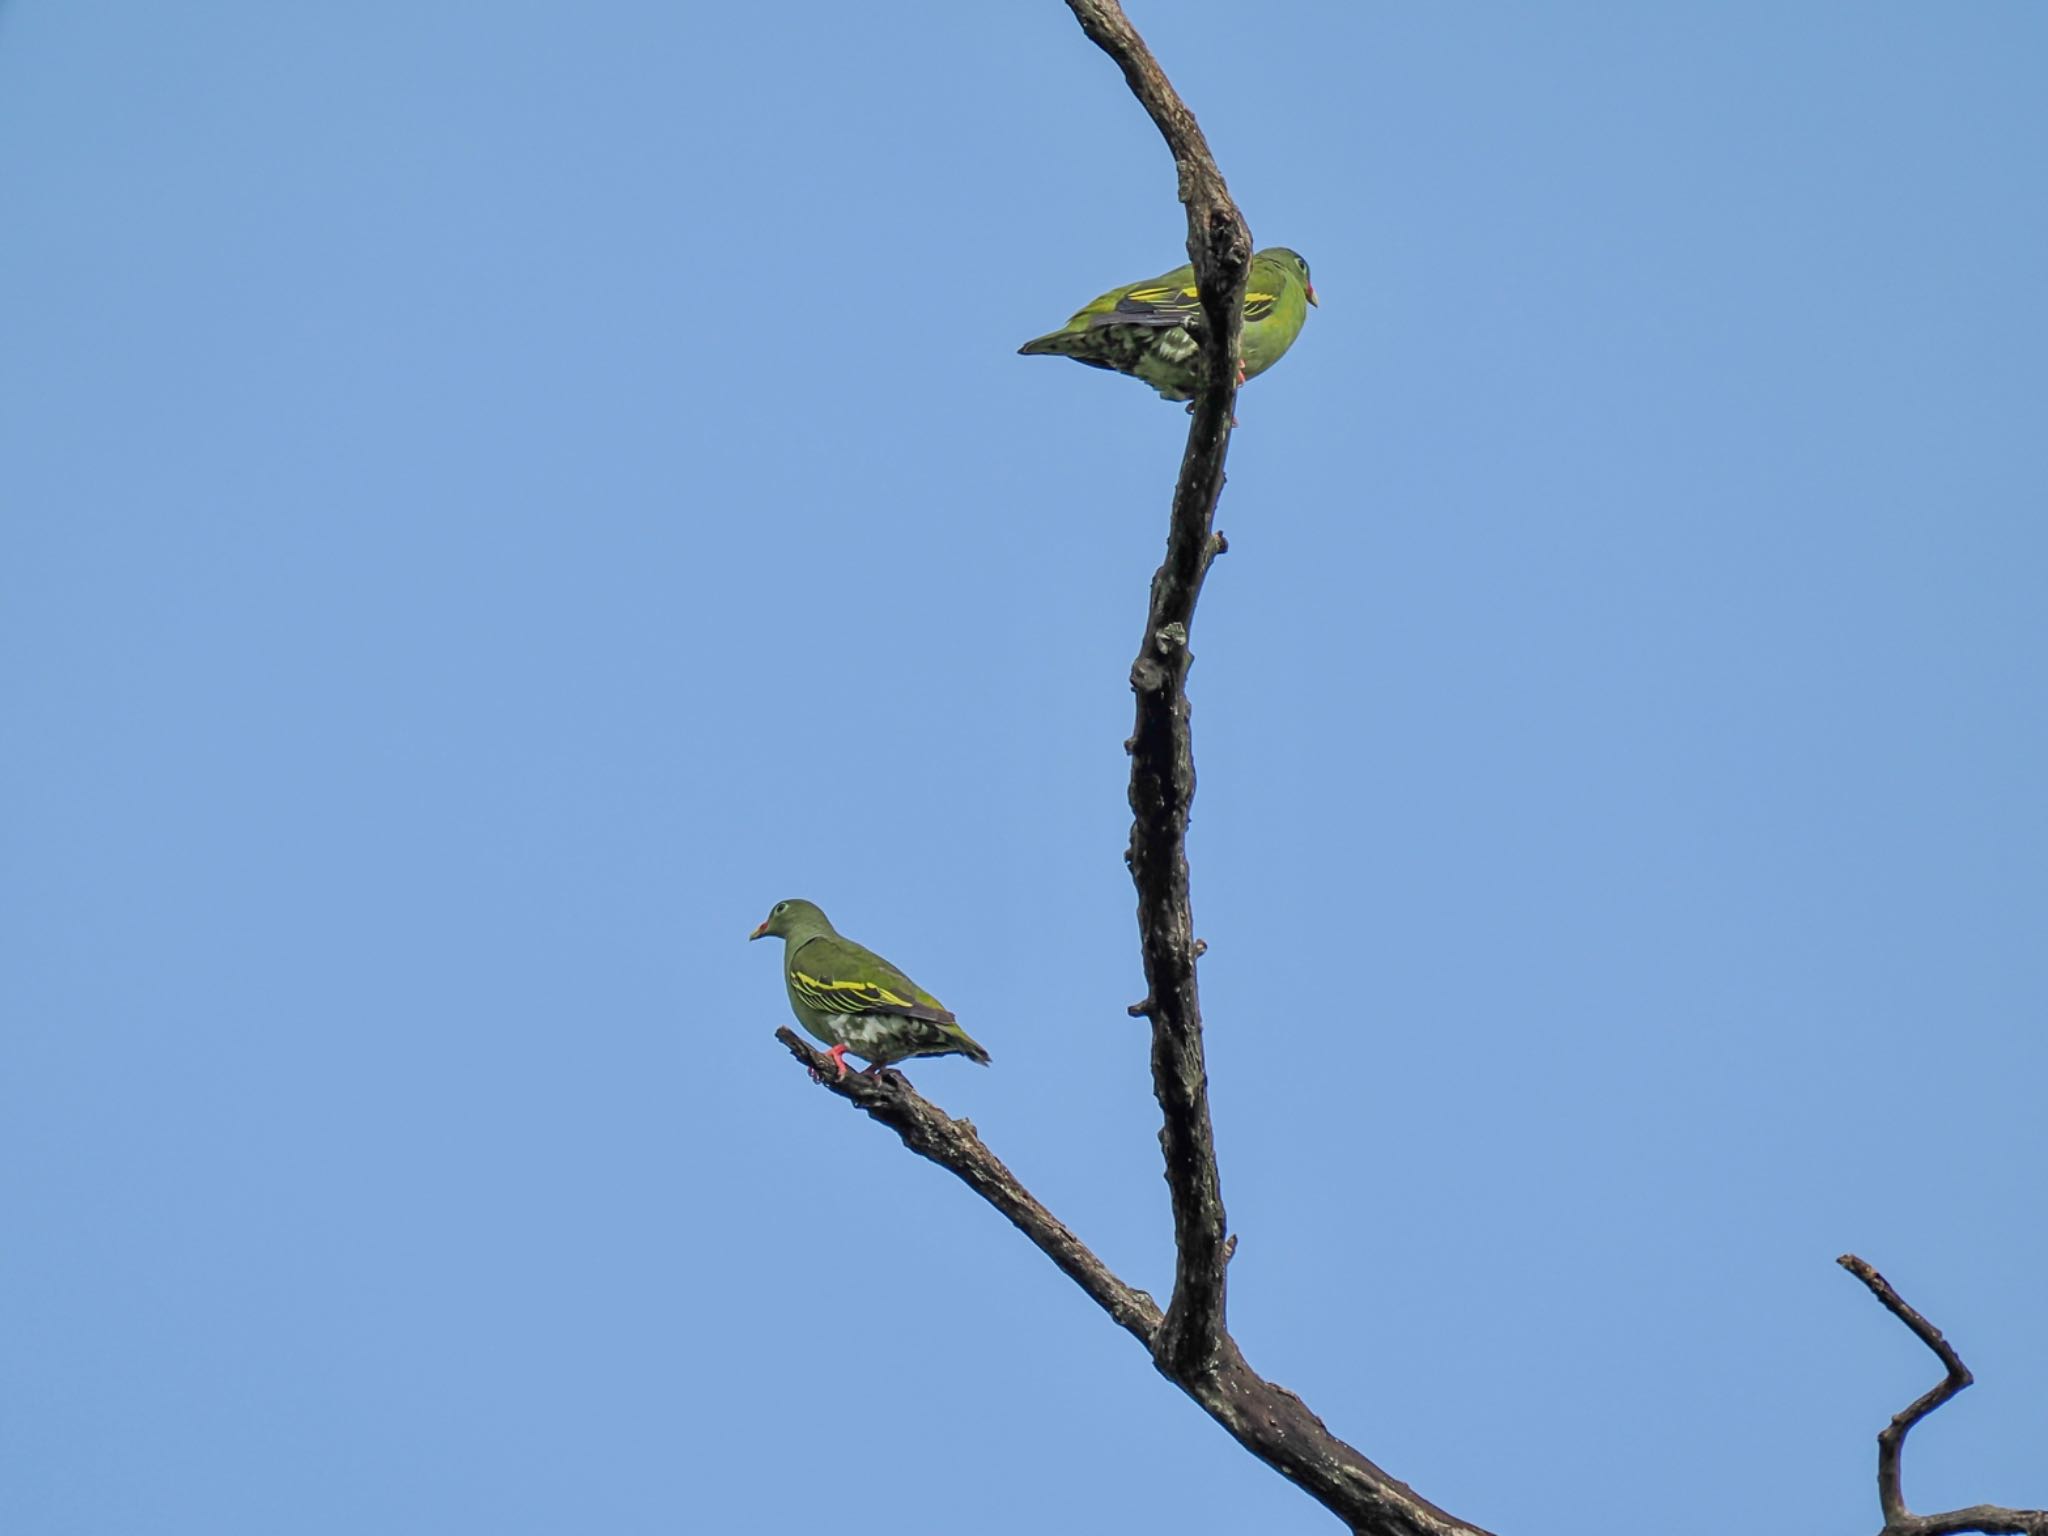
(1292, 260)
(786, 917)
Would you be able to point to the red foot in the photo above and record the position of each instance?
(838, 1055)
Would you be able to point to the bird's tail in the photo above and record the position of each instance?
(969, 1046)
(1054, 344)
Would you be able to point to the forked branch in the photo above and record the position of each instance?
(1891, 1440)
(1267, 1420)
(1190, 1342)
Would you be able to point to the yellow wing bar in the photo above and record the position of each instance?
(847, 996)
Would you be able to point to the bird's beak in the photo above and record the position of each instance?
(1312, 296)
(758, 931)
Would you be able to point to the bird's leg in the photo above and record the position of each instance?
(838, 1055)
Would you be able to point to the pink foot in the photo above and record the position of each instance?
(838, 1055)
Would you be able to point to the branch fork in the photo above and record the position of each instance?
(1189, 1342)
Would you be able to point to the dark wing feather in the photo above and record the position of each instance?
(1161, 305)
(1181, 306)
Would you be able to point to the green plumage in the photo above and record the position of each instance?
(1153, 330)
(851, 998)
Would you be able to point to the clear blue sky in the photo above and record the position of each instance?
(496, 495)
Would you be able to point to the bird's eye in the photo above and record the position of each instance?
(781, 905)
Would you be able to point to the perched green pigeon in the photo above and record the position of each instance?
(1152, 330)
(853, 999)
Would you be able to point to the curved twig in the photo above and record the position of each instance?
(1891, 1440)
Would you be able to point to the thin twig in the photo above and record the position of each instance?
(1891, 1440)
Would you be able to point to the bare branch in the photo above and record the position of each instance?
(1978, 1517)
(1190, 1345)
(1891, 1440)
(1161, 746)
(1212, 216)
(1190, 1342)
(957, 1147)
(1220, 246)
(1268, 1420)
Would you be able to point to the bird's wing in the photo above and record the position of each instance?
(1174, 300)
(1164, 301)
(836, 975)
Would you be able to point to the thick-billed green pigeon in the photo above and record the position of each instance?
(853, 999)
(1152, 330)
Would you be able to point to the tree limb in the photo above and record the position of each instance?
(1193, 1347)
(1190, 1343)
(1891, 1440)
(957, 1147)
(1268, 1420)
(1161, 746)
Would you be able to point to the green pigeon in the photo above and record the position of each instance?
(1152, 330)
(853, 999)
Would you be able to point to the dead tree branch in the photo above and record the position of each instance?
(1193, 1347)
(957, 1147)
(1190, 1342)
(1891, 1440)
(1268, 1420)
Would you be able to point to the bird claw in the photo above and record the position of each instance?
(1233, 414)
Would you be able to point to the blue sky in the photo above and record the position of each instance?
(496, 495)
